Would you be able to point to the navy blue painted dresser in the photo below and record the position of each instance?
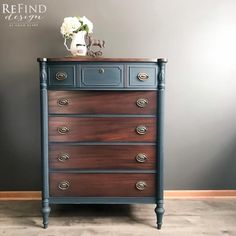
(102, 131)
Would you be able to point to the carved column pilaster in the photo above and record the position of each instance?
(44, 141)
(160, 133)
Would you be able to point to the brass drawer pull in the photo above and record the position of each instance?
(141, 157)
(142, 102)
(141, 185)
(62, 157)
(61, 75)
(63, 102)
(142, 76)
(63, 130)
(64, 185)
(141, 129)
(101, 71)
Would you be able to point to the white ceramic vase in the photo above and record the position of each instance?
(78, 45)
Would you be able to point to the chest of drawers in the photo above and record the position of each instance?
(102, 131)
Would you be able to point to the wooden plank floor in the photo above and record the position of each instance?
(182, 218)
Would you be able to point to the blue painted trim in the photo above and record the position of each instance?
(102, 200)
(44, 127)
(160, 129)
(78, 78)
(44, 142)
(159, 210)
(101, 89)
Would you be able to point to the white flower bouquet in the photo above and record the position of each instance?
(72, 25)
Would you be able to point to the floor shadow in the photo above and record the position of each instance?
(92, 210)
(28, 213)
(97, 212)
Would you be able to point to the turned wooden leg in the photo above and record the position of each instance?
(159, 210)
(45, 211)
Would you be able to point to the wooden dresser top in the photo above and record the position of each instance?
(100, 59)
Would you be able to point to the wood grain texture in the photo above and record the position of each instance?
(98, 59)
(101, 129)
(102, 157)
(101, 102)
(102, 185)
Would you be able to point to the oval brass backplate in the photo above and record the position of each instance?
(64, 185)
(61, 75)
(141, 157)
(63, 102)
(142, 76)
(63, 130)
(141, 185)
(62, 157)
(142, 102)
(141, 129)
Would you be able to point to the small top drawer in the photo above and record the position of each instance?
(143, 75)
(101, 75)
(61, 75)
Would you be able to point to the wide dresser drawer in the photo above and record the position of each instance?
(64, 156)
(102, 185)
(93, 129)
(102, 102)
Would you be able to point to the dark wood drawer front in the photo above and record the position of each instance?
(76, 129)
(101, 75)
(102, 185)
(102, 102)
(102, 157)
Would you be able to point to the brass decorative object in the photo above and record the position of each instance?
(92, 44)
(63, 102)
(61, 75)
(64, 185)
(141, 157)
(142, 76)
(63, 130)
(141, 129)
(141, 185)
(62, 157)
(142, 102)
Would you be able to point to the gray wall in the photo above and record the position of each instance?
(198, 38)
